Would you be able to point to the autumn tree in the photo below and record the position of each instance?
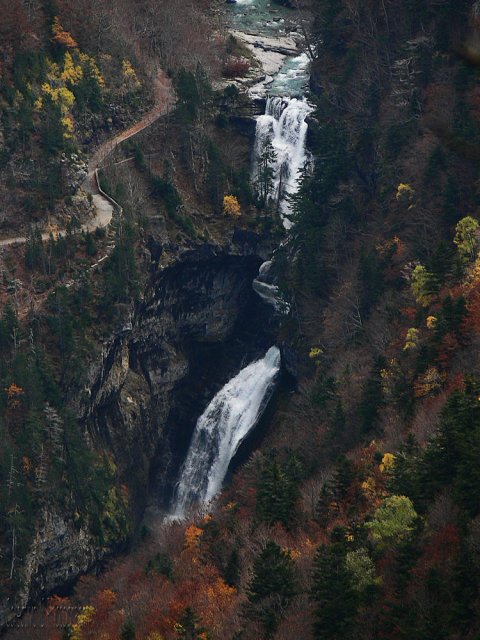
(392, 521)
(231, 206)
(423, 285)
(466, 238)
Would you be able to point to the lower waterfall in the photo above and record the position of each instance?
(226, 421)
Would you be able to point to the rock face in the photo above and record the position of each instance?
(59, 553)
(191, 307)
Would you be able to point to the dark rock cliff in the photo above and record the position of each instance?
(181, 343)
(179, 348)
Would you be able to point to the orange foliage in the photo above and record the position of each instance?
(14, 392)
(192, 537)
(62, 37)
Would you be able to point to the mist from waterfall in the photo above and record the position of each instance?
(219, 431)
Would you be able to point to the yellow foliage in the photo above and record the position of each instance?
(91, 69)
(412, 339)
(315, 352)
(83, 618)
(65, 98)
(368, 487)
(388, 462)
(154, 635)
(59, 95)
(390, 376)
(404, 190)
(431, 322)
(231, 206)
(429, 383)
(129, 76)
(68, 127)
(72, 73)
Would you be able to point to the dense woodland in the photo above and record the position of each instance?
(359, 516)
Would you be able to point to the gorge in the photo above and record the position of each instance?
(242, 402)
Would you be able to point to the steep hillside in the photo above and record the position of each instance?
(91, 370)
(359, 515)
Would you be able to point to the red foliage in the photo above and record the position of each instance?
(448, 347)
(15, 29)
(236, 68)
(439, 553)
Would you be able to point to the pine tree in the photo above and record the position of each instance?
(188, 628)
(334, 594)
(265, 172)
(272, 586)
(128, 631)
(277, 491)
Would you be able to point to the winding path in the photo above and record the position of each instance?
(104, 205)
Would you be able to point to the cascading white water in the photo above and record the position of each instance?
(223, 425)
(284, 126)
(264, 286)
(234, 411)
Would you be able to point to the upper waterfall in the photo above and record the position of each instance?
(284, 126)
(223, 425)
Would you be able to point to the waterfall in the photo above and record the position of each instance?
(265, 287)
(284, 126)
(236, 408)
(223, 425)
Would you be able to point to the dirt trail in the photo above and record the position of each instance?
(163, 101)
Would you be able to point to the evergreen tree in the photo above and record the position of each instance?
(372, 399)
(451, 458)
(334, 594)
(128, 631)
(272, 586)
(265, 172)
(34, 251)
(277, 491)
(188, 628)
